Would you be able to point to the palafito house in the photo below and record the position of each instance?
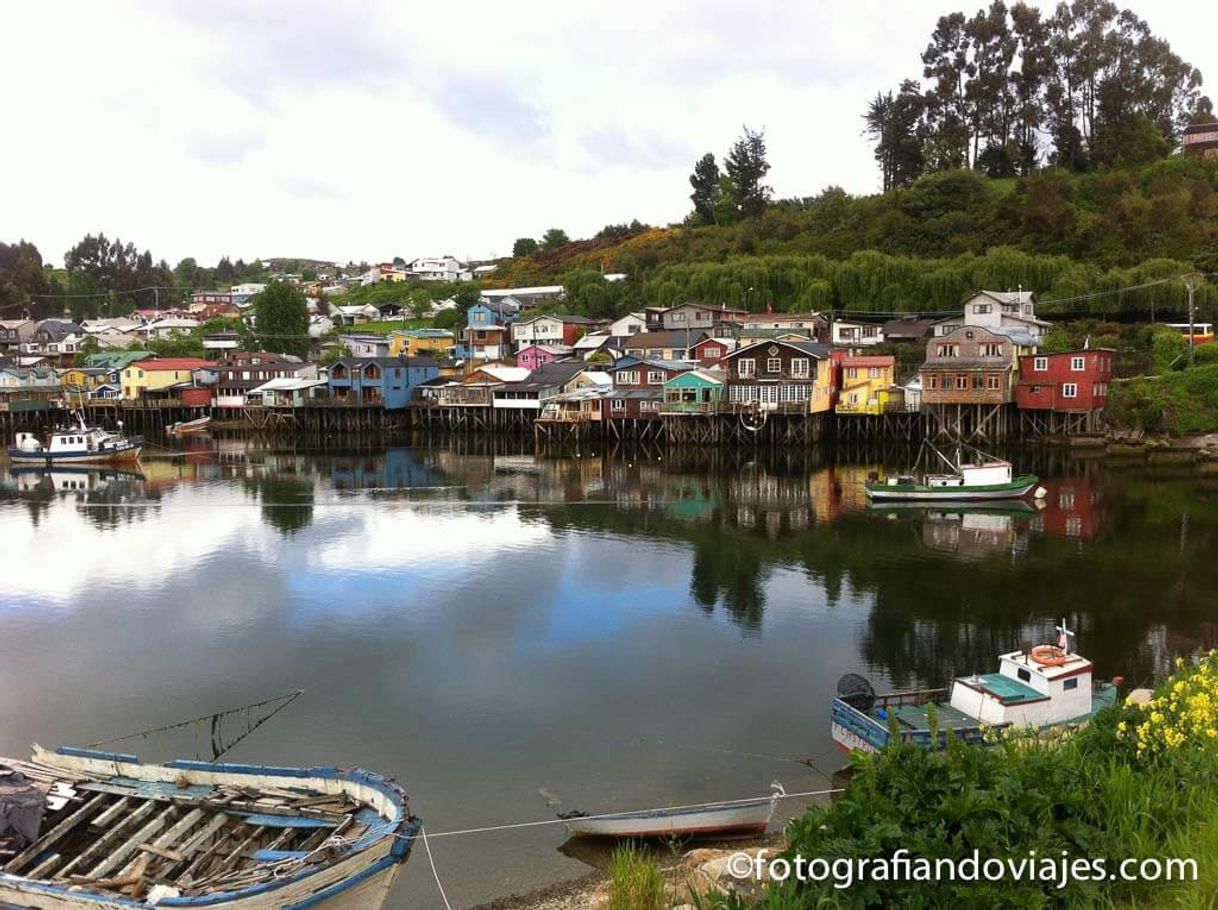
(793, 377)
(411, 342)
(145, 376)
(866, 381)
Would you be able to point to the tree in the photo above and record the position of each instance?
(746, 167)
(225, 272)
(467, 294)
(281, 319)
(553, 239)
(705, 181)
(524, 246)
(333, 354)
(895, 122)
(21, 274)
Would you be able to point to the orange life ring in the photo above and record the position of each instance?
(1049, 655)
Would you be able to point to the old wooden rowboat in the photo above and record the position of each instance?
(750, 816)
(115, 833)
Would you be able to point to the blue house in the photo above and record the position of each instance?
(389, 382)
(483, 315)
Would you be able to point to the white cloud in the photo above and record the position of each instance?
(375, 128)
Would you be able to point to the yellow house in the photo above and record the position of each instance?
(153, 375)
(83, 379)
(411, 342)
(866, 380)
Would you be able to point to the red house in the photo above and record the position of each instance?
(1069, 381)
(709, 352)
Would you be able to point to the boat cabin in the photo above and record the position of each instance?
(1027, 691)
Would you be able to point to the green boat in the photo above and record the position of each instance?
(971, 475)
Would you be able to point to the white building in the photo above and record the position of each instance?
(850, 334)
(243, 293)
(439, 268)
(630, 324)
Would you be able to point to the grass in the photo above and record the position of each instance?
(384, 328)
(1180, 403)
(635, 881)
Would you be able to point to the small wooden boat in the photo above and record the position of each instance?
(99, 829)
(80, 444)
(747, 816)
(185, 427)
(1046, 686)
(972, 475)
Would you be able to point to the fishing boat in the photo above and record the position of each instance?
(80, 444)
(970, 475)
(84, 829)
(1039, 688)
(185, 427)
(738, 817)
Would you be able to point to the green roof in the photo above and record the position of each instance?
(116, 360)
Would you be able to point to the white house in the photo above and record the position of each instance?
(1002, 309)
(546, 330)
(367, 344)
(439, 268)
(243, 293)
(319, 325)
(527, 297)
(630, 324)
(847, 333)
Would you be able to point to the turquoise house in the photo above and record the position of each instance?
(694, 392)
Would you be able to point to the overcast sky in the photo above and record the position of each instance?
(368, 129)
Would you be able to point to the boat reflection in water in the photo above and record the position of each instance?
(35, 482)
(1072, 508)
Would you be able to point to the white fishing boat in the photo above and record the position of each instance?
(971, 475)
(84, 829)
(739, 817)
(1045, 686)
(80, 444)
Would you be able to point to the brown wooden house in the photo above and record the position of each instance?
(973, 365)
(786, 376)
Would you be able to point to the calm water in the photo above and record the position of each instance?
(613, 630)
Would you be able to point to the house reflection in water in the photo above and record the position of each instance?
(976, 533)
(1073, 507)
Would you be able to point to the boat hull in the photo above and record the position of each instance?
(119, 455)
(190, 426)
(752, 817)
(1018, 488)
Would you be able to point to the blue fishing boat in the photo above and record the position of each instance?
(79, 444)
(1042, 687)
(82, 829)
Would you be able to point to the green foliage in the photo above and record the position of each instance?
(635, 881)
(705, 183)
(553, 239)
(333, 354)
(1180, 403)
(446, 319)
(21, 274)
(746, 167)
(524, 246)
(281, 319)
(1169, 350)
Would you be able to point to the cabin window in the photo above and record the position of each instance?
(655, 377)
(962, 382)
(1069, 390)
(747, 367)
(991, 382)
(948, 350)
(1070, 683)
(932, 381)
(991, 350)
(873, 373)
(619, 404)
(773, 365)
(710, 352)
(1040, 364)
(1077, 364)
(981, 308)
(629, 377)
(800, 367)
(1023, 674)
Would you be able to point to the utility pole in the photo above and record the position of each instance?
(1190, 282)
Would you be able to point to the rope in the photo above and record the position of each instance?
(607, 815)
(434, 873)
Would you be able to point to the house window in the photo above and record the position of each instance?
(852, 372)
(962, 381)
(1040, 364)
(873, 373)
(619, 404)
(948, 350)
(655, 377)
(1069, 390)
(773, 365)
(869, 331)
(710, 351)
(1078, 363)
(1100, 389)
(978, 381)
(801, 368)
(991, 382)
(746, 368)
(678, 317)
(981, 308)
(932, 381)
(628, 377)
(991, 350)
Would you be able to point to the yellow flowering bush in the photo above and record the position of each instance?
(1183, 713)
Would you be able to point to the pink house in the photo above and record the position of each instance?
(535, 355)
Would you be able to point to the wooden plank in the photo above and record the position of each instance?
(123, 853)
(44, 867)
(215, 824)
(108, 815)
(166, 840)
(56, 834)
(103, 843)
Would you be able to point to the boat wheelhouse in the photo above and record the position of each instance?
(971, 475)
(1045, 686)
(84, 829)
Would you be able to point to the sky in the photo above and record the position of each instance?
(368, 129)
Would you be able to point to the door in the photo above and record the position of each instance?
(769, 396)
